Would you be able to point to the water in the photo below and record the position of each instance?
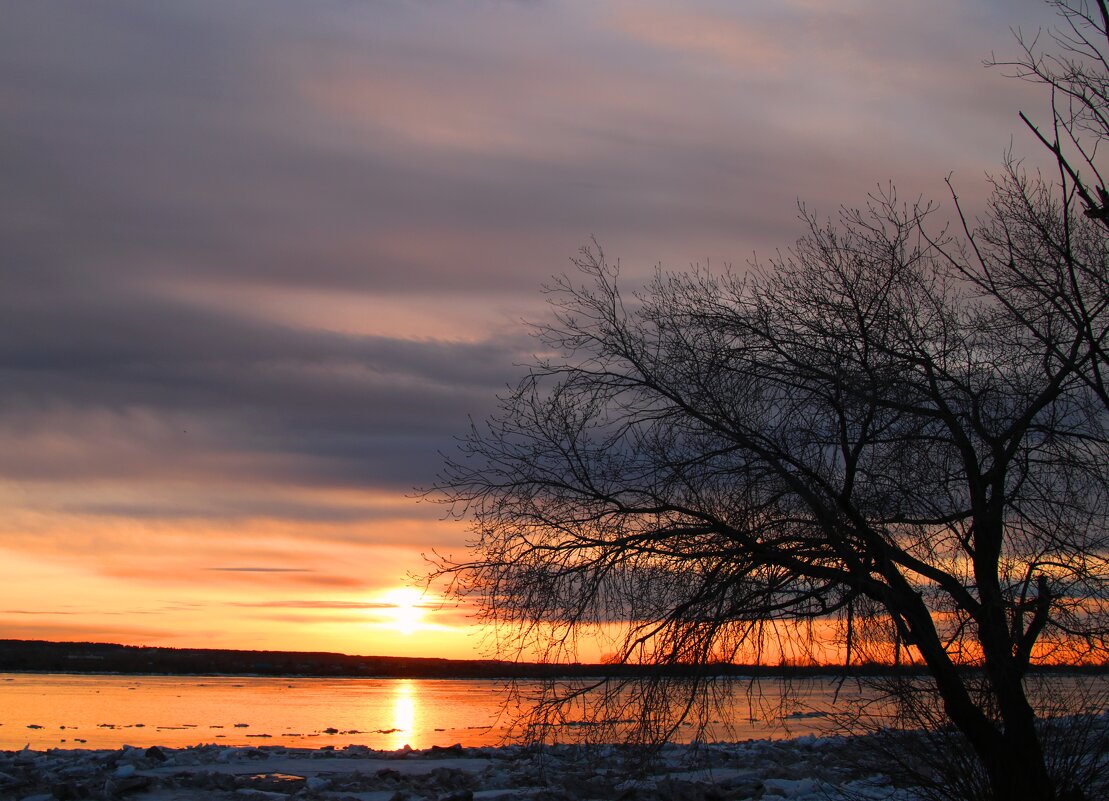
(110, 711)
(94, 711)
(104, 711)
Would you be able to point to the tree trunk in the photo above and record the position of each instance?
(1013, 759)
(1016, 764)
(1012, 776)
(1011, 755)
(1023, 770)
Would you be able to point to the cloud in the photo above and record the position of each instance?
(737, 43)
(263, 260)
(319, 604)
(80, 632)
(107, 387)
(258, 569)
(315, 619)
(36, 612)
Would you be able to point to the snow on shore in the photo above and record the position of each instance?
(804, 769)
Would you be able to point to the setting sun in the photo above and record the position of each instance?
(403, 609)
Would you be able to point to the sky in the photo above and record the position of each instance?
(261, 261)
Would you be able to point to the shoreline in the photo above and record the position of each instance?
(44, 656)
(807, 768)
(744, 673)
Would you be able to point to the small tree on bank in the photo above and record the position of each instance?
(898, 434)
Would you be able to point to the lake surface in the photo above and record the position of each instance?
(95, 711)
(103, 711)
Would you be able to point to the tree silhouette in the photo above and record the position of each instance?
(895, 432)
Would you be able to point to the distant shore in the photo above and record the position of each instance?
(40, 656)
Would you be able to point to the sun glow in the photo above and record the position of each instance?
(404, 609)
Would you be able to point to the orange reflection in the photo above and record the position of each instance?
(404, 714)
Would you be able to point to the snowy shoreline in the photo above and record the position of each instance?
(803, 769)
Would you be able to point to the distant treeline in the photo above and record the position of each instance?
(89, 657)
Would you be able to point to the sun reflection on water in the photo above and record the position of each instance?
(404, 713)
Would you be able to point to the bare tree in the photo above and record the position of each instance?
(896, 433)
(1038, 253)
(850, 433)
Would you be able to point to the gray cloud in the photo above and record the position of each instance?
(326, 407)
(335, 145)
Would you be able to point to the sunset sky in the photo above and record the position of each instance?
(262, 260)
